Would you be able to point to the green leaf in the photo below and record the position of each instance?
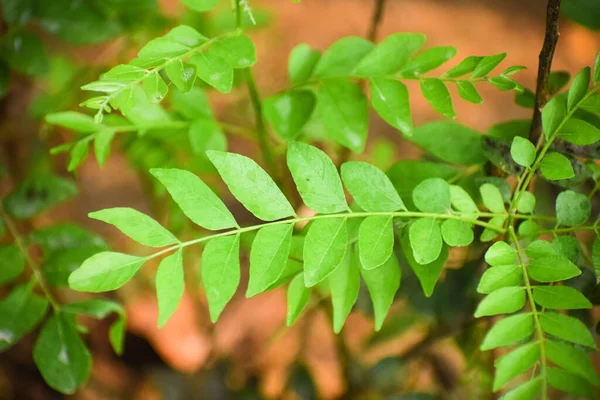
(571, 359)
(540, 249)
(567, 328)
(192, 105)
(344, 109)
(579, 88)
(18, 12)
(268, 258)
(220, 272)
(375, 241)
(500, 253)
(428, 60)
(288, 112)
(155, 87)
(425, 240)
(176, 42)
(579, 132)
(78, 23)
(515, 363)
(181, 74)
(597, 68)
(552, 269)
(344, 283)
(567, 382)
(553, 115)
(467, 91)
(560, 298)
(169, 286)
(391, 54)
(102, 143)
(341, 58)
(555, 166)
(437, 94)
(197, 201)
(567, 246)
(12, 263)
(316, 178)
(200, 5)
(492, 198)
(213, 70)
(596, 253)
(251, 185)
(324, 249)
(298, 296)
(462, 201)
(206, 134)
(572, 209)
(391, 101)
(450, 142)
(238, 51)
(24, 52)
(382, 282)
(522, 151)
(104, 272)
(78, 155)
(508, 331)
(457, 233)
(73, 120)
(487, 64)
(432, 196)
(499, 277)
(526, 203)
(99, 309)
(20, 312)
(505, 300)
(61, 356)
(466, 66)
(428, 274)
(370, 187)
(136, 225)
(529, 390)
(302, 63)
(504, 83)
(488, 233)
(584, 12)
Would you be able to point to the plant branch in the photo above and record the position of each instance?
(35, 269)
(376, 19)
(261, 128)
(545, 67)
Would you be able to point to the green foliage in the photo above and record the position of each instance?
(362, 224)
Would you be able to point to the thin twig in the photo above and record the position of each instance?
(545, 67)
(376, 19)
(35, 269)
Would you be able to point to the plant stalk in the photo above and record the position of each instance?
(545, 67)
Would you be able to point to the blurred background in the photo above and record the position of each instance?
(427, 348)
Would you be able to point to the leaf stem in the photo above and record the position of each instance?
(37, 274)
(534, 312)
(398, 214)
(261, 128)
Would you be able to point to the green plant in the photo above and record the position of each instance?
(364, 223)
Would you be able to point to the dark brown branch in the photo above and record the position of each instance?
(376, 19)
(545, 66)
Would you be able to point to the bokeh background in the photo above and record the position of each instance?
(249, 353)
